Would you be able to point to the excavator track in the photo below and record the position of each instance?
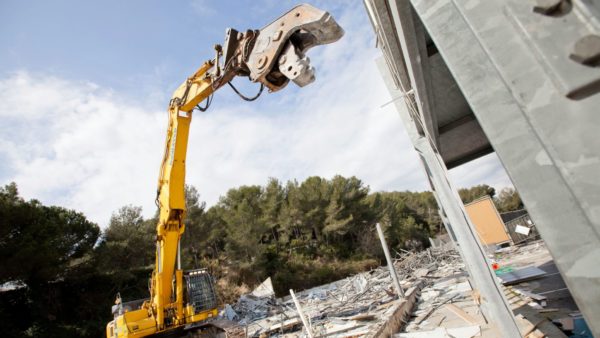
(206, 330)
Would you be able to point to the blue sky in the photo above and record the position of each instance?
(84, 87)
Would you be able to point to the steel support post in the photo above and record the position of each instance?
(390, 262)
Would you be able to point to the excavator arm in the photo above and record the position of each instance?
(271, 56)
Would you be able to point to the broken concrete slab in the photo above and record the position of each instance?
(230, 313)
(442, 332)
(360, 305)
(461, 313)
(521, 275)
(265, 289)
(421, 272)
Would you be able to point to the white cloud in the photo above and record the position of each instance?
(76, 145)
(84, 147)
(204, 8)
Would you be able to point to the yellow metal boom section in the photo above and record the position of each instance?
(171, 193)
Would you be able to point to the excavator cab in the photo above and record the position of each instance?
(199, 290)
(199, 295)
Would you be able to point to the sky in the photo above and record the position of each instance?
(84, 88)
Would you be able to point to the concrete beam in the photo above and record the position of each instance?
(463, 141)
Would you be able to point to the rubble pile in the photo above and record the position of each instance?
(523, 255)
(359, 305)
(413, 265)
(449, 307)
(447, 299)
(366, 304)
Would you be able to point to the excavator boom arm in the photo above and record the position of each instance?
(271, 56)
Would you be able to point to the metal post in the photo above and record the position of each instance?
(390, 263)
(495, 304)
(301, 314)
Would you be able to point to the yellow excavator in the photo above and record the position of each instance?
(183, 303)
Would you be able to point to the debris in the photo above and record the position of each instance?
(285, 325)
(320, 294)
(348, 331)
(442, 332)
(429, 294)
(388, 259)
(502, 270)
(360, 283)
(535, 305)
(265, 289)
(459, 287)
(581, 328)
(566, 324)
(250, 308)
(362, 317)
(358, 305)
(553, 291)
(301, 314)
(439, 332)
(230, 312)
(449, 289)
(461, 313)
(465, 332)
(526, 326)
(522, 230)
(438, 321)
(476, 296)
(521, 275)
(421, 272)
(542, 326)
(541, 300)
(433, 308)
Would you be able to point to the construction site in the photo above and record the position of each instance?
(438, 300)
(468, 78)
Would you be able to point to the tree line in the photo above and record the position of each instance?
(60, 272)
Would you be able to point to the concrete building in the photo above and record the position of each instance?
(518, 77)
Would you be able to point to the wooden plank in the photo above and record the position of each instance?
(437, 322)
(462, 314)
(432, 309)
(476, 297)
(525, 326)
(542, 324)
(287, 324)
(363, 317)
(536, 334)
(533, 296)
(422, 317)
